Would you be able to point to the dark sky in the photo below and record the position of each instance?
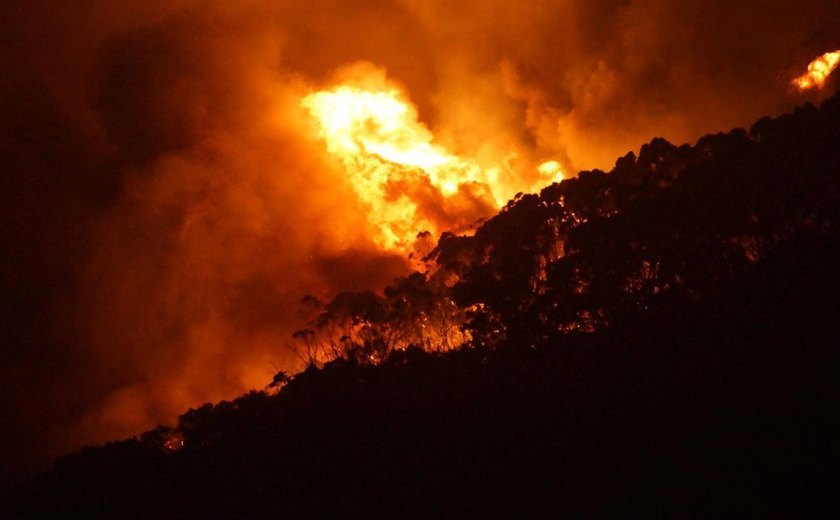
(164, 205)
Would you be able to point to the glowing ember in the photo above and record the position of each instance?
(174, 442)
(391, 159)
(818, 71)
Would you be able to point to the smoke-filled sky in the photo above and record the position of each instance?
(166, 200)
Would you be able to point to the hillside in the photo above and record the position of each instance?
(659, 337)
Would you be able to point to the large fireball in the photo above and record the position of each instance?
(410, 183)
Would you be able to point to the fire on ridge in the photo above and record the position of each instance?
(818, 72)
(409, 182)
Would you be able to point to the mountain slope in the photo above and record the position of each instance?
(662, 337)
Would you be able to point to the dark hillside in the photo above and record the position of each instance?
(662, 337)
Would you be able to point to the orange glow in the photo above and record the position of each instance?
(818, 72)
(551, 169)
(376, 134)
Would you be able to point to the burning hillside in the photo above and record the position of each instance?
(661, 337)
(178, 176)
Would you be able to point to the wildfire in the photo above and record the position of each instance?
(393, 162)
(818, 71)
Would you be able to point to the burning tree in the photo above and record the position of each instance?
(366, 328)
(602, 248)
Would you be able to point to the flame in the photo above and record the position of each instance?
(818, 71)
(551, 169)
(386, 150)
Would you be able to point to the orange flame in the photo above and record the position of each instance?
(376, 134)
(818, 71)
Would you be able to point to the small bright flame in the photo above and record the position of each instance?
(392, 160)
(552, 170)
(818, 71)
